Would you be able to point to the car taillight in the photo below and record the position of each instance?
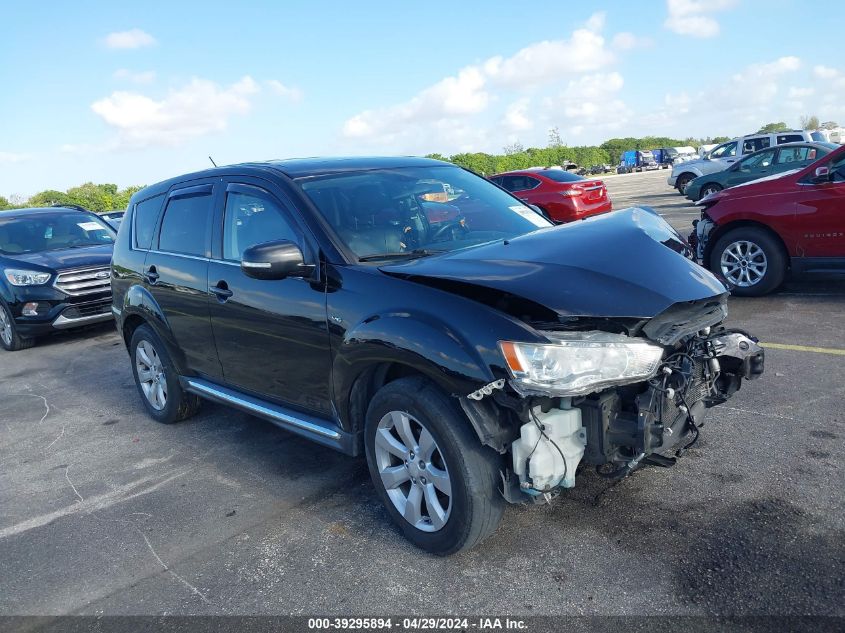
(571, 193)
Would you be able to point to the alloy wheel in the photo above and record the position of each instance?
(413, 471)
(710, 189)
(151, 375)
(743, 263)
(5, 326)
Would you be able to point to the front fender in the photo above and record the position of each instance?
(418, 340)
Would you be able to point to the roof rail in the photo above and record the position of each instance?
(71, 206)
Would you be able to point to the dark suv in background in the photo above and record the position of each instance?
(54, 272)
(408, 310)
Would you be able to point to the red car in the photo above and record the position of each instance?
(561, 195)
(754, 234)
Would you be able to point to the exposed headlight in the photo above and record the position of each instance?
(26, 277)
(576, 363)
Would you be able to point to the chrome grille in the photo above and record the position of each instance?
(84, 282)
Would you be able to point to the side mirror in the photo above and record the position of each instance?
(822, 174)
(274, 260)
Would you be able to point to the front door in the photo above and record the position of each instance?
(272, 337)
(820, 215)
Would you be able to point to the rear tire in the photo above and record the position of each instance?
(414, 411)
(10, 339)
(157, 379)
(751, 260)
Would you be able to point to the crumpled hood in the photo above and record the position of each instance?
(92, 256)
(626, 263)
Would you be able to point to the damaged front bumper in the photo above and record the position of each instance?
(621, 428)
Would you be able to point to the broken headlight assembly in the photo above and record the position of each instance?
(576, 363)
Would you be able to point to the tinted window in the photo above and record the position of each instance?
(758, 161)
(185, 224)
(788, 155)
(838, 169)
(519, 182)
(751, 145)
(789, 138)
(250, 220)
(37, 232)
(724, 151)
(146, 216)
(558, 175)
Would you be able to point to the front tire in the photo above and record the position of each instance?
(751, 259)
(682, 182)
(438, 483)
(10, 340)
(157, 379)
(710, 187)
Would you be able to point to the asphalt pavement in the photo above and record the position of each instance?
(103, 511)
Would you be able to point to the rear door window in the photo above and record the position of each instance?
(795, 155)
(184, 229)
(751, 145)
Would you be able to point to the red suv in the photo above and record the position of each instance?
(754, 233)
(560, 195)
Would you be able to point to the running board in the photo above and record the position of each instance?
(315, 429)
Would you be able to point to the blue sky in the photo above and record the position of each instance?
(110, 92)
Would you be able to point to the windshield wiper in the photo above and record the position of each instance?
(417, 252)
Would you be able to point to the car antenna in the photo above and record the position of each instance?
(212, 161)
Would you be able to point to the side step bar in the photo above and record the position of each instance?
(316, 429)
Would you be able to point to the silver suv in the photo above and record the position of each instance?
(722, 156)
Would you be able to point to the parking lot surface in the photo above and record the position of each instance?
(103, 511)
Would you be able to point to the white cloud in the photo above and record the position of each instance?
(825, 72)
(140, 77)
(287, 92)
(198, 108)
(470, 91)
(516, 117)
(590, 102)
(690, 17)
(13, 157)
(797, 93)
(625, 41)
(133, 38)
(456, 96)
(549, 60)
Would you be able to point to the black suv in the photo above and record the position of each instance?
(54, 272)
(408, 310)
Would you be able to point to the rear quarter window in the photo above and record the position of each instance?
(145, 219)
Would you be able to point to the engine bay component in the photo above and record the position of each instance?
(549, 448)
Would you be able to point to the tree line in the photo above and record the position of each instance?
(515, 156)
(99, 198)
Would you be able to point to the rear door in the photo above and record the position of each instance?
(821, 216)
(176, 272)
(271, 336)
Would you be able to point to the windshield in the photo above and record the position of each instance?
(38, 232)
(413, 211)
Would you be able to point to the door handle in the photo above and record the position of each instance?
(221, 290)
(151, 275)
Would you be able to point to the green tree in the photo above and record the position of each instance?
(5, 204)
(769, 128)
(829, 125)
(810, 122)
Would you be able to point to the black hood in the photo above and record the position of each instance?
(81, 257)
(627, 263)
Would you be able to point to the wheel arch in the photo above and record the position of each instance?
(722, 230)
(140, 308)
